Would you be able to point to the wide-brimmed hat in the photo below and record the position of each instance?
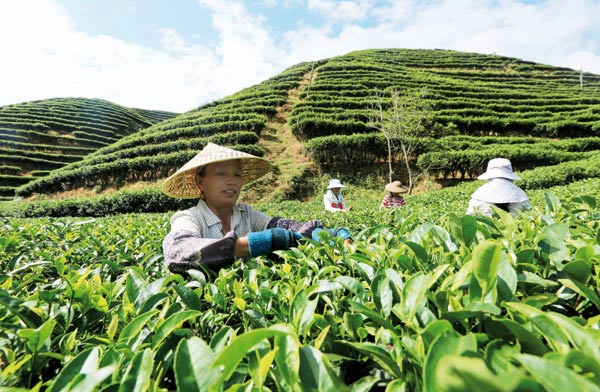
(182, 183)
(396, 187)
(499, 168)
(335, 183)
(500, 190)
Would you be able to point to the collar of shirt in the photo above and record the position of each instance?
(213, 220)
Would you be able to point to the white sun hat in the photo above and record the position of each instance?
(396, 187)
(500, 190)
(182, 183)
(335, 183)
(499, 168)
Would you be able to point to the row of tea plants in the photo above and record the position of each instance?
(457, 303)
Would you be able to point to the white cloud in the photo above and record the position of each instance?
(49, 58)
(283, 3)
(586, 61)
(44, 55)
(342, 10)
(248, 53)
(396, 12)
(549, 32)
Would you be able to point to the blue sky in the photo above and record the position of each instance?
(178, 54)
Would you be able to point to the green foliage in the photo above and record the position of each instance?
(418, 302)
(150, 199)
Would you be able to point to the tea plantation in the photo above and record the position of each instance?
(425, 299)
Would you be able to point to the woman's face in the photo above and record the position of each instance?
(336, 191)
(221, 183)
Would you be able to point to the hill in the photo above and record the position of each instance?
(312, 121)
(40, 136)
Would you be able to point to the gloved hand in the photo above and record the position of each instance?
(307, 228)
(304, 228)
(266, 241)
(339, 232)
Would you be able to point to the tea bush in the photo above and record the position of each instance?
(426, 298)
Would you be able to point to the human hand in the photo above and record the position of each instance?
(308, 227)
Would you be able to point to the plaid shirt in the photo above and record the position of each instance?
(388, 201)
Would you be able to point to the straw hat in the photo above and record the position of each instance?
(182, 184)
(499, 168)
(396, 187)
(500, 190)
(335, 183)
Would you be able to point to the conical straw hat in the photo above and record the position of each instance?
(396, 187)
(182, 184)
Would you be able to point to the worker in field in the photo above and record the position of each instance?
(219, 229)
(498, 190)
(333, 199)
(393, 198)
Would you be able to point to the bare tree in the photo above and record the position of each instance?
(401, 122)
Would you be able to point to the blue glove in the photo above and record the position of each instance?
(266, 241)
(339, 232)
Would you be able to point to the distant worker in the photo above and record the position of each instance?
(393, 197)
(219, 229)
(333, 199)
(498, 191)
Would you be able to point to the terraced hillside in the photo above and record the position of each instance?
(155, 152)
(484, 106)
(40, 136)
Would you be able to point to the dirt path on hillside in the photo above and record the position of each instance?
(284, 150)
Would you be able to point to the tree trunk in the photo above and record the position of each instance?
(407, 164)
(391, 171)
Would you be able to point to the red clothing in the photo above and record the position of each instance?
(339, 205)
(389, 201)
